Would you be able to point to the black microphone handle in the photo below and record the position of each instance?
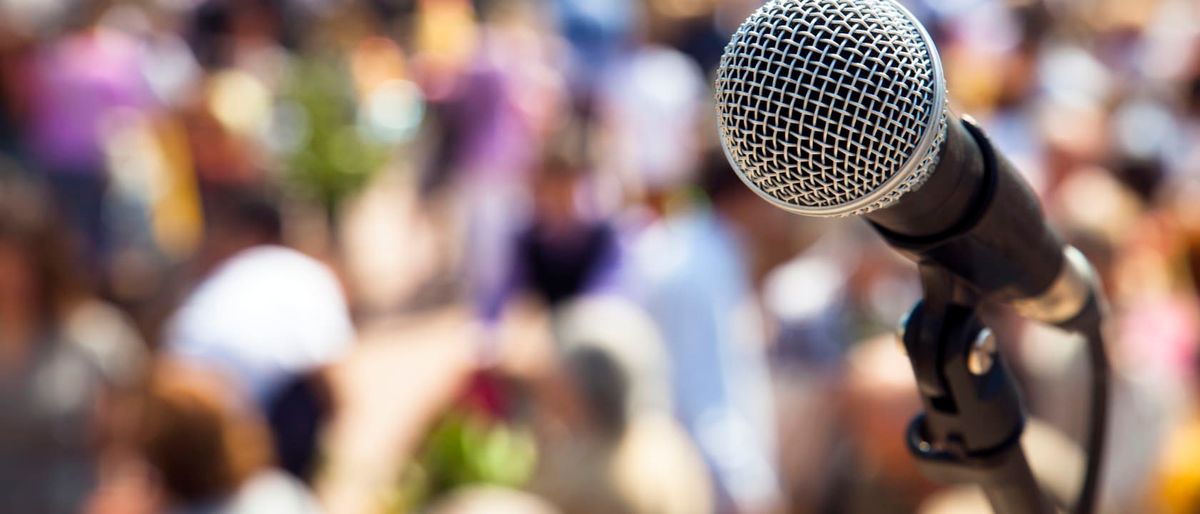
(976, 217)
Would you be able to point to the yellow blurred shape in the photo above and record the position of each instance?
(177, 217)
(446, 31)
(149, 158)
(1179, 484)
(239, 101)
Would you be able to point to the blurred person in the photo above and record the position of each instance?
(619, 328)
(1144, 133)
(695, 27)
(1185, 160)
(596, 33)
(220, 157)
(507, 99)
(62, 356)
(1006, 84)
(563, 252)
(1154, 302)
(154, 212)
(407, 369)
(1154, 342)
(650, 113)
(1186, 212)
(15, 60)
(876, 472)
(386, 395)
(262, 312)
(225, 33)
(806, 303)
(201, 448)
(248, 97)
(610, 445)
(808, 297)
(78, 81)
(697, 272)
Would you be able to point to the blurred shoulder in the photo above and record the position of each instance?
(658, 469)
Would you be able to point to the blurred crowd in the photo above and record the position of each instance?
(486, 256)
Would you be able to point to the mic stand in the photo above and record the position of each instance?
(970, 430)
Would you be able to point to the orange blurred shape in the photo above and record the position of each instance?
(445, 42)
(446, 31)
(376, 61)
(682, 8)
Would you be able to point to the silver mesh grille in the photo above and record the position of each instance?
(831, 107)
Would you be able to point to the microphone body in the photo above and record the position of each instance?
(976, 217)
(838, 108)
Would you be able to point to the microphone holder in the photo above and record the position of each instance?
(973, 418)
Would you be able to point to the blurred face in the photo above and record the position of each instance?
(555, 198)
(18, 284)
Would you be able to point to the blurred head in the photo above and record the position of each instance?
(216, 23)
(586, 394)
(598, 332)
(36, 269)
(555, 185)
(1143, 176)
(1191, 93)
(202, 439)
(239, 218)
(602, 388)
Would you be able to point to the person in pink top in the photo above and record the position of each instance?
(78, 81)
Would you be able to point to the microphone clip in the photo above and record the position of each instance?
(972, 419)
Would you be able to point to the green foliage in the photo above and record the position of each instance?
(466, 449)
(333, 160)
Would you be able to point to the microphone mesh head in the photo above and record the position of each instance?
(831, 107)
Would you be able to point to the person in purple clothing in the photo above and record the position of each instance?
(78, 81)
(562, 252)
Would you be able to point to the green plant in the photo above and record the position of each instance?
(466, 449)
(332, 160)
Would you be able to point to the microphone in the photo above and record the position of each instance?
(838, 108)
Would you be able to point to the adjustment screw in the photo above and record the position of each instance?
(983, 353)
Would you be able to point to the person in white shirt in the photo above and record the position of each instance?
(696, 272)
(265, 313)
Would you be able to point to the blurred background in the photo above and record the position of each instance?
(454, 256)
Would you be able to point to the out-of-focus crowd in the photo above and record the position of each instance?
(455, 256)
